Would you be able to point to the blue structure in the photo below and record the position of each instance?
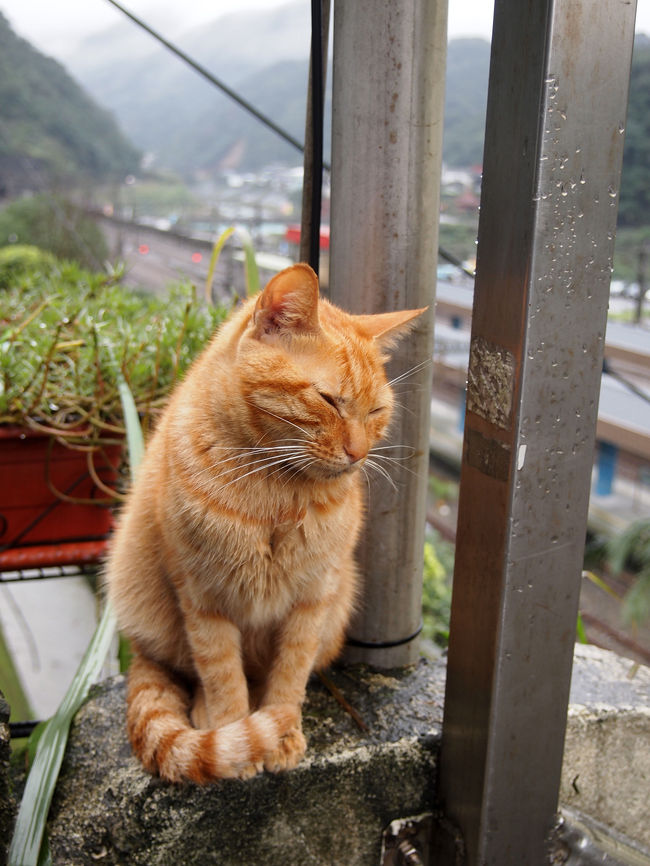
(606, 463)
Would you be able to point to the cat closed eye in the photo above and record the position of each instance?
(329, 399)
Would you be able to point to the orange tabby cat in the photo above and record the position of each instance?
(232, 568)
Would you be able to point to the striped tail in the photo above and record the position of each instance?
(164, 740)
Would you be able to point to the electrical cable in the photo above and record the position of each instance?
(247, 106)
(626, 382)
(317, 107)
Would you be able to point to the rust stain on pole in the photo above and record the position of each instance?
(490, 383)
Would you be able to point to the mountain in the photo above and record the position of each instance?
(188, 125)
(183, 121)
(468, 67)
(50, 129)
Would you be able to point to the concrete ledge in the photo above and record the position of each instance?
(606, 770)
(335, 806)
(331, 810)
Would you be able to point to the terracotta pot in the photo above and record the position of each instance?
(51, 510)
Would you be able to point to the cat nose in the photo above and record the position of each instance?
(353, 455)
(355, 445)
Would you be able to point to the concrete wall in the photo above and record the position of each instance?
(353, 783)
(606, 769)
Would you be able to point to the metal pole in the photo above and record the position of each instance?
(312, 178)
(554, 142)
(388, 91)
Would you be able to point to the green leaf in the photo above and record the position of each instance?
(124, 653)
(580, 631)
(134, 437)
(29, 845)
(11, 685)
(35, 804)
(214, 258)
(250, 263)
(601, 584)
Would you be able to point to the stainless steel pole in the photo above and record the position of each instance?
(388, 92)
(554, 141)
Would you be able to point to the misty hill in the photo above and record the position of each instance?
(185, 122)
(188, 125)
(50, 129)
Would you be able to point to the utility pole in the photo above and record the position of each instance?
(388, 98)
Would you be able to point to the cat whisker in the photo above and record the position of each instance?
(286, 420)
(367, 477)
(408, 448)
(271, 452)
(297, 467)
(266, 465)
(411, 372)
(392, 458)
(259, 448)
(380, 471)
(403, 408)
(268, 460)
(398, 461)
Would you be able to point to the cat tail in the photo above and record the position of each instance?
(163, 738)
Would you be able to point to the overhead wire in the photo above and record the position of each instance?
(634, 389)
(209, 76)
(249, 107)
(317, 108)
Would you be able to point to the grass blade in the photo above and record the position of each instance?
(214, 258)
(601, 584)
(35, 804)
(29, 845)
(581, 634)
(250, 263)
(134, 437)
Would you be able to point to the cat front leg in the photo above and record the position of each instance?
(287, 681)
(222, 695)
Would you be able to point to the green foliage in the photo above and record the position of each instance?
(51, 129)
(29, 846)
(56, 225)
(630, 240)
(157, 196)
(459, 239)
(634, 207)
(631, 550)
(436, 593)
(20, 260)
(35, 804)
(11, 685)
(66, 336)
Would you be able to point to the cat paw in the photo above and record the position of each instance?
(250, 770)
(288, 754)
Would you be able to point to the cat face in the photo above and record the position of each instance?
(313, 379)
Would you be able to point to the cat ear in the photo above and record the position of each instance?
(288, 304)
(387, 328)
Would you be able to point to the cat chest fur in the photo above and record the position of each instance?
(255, 570)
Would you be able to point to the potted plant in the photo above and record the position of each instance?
(66, 337)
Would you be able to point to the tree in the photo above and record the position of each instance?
(52, 223)
(634, 207)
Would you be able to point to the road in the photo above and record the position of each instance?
(154, 259)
